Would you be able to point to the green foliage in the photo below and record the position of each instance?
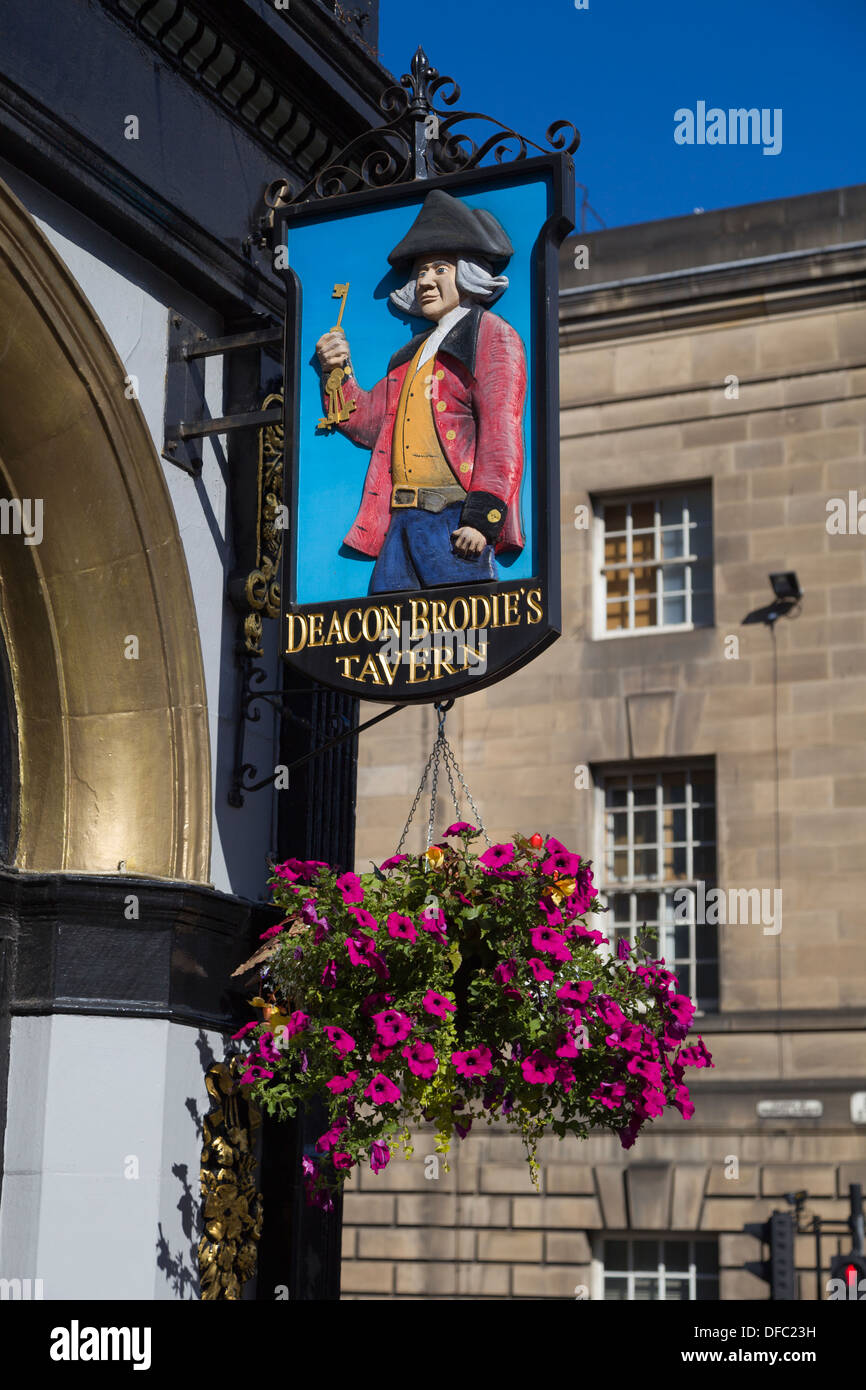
(373, 957)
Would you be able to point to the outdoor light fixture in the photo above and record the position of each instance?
(786, 587)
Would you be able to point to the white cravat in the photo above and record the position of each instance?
(445, 324)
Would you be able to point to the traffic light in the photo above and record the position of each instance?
(850, 1269)
(778, 1270)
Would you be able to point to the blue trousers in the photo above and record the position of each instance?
(417, 553)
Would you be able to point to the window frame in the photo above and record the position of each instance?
(600, 570)
(609, 887)
(600, 1270)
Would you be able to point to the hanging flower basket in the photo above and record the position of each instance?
(456, 988)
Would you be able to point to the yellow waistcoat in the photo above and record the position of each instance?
(417, 459)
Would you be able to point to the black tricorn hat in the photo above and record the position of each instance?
(445, 224)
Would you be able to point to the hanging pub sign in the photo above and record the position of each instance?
(422, 432)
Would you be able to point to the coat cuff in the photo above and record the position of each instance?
(486, 513)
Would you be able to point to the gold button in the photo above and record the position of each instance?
(452, 434)
(465, 467)
(494, 515)
(440, 374)
(440, 405)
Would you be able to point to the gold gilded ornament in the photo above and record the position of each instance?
(339, 409)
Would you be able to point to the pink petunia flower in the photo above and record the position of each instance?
(351, 888)
(247, 1028)
(437, 1004)
(506, 970)
(421, 1058)
(342, 1041)
(331, 1137)
(459, 826)
(538, 1068)
(329, 975)
(433, 922)
(476, 1061)
(682, 1102)
(382, 1090)
(273, 931)
(553, 942)
(379, 1053)
(297, 1022)
(339, 1084)
(561, 864)
(392, 864)
(401, 928)
(611, 1094)
(541, 971)
(380, 1156)
(343, 1161)
(392, 1026)
(575, 993)
(497, 857)
(654, 1101)
(366, 921)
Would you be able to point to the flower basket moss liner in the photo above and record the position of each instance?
(455, 988)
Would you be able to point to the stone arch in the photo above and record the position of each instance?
(113, 754)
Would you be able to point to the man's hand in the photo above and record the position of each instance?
(467, 541)
(332, 350)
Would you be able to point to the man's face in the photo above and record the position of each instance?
(436, 286)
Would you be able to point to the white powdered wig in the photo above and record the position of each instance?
(475, 281)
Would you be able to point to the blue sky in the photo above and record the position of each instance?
(620, 69)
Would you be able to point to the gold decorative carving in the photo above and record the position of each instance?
(262, 588)
(232, 1205)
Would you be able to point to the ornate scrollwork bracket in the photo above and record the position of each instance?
(261, 587)
(419, 141)
(232, 1205)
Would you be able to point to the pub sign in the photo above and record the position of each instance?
(422, 555)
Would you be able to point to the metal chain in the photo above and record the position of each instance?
(441, 751)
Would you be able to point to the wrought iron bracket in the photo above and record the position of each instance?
(186, 419)
(240, 785)
(418, 141)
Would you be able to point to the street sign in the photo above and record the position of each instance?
(422, 556)
(790, 1109)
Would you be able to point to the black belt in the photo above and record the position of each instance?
(429, 499)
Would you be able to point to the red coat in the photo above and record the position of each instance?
(483, 387)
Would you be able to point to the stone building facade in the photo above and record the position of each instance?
(713, 374)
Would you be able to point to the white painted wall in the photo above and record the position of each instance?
(91, 1102)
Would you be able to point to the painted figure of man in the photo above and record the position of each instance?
(445, 425)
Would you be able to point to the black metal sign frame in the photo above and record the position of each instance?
(520, 618)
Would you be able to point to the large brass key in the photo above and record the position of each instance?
(339, 409)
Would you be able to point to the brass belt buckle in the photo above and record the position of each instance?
(398, 501)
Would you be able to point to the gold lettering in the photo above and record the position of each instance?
(391, 619)
(413, 661)
(420, 608)
(371, 636)
(315, 621)
(476, 621)
(369, 665)
(533, 603)
(297, 618)
(440, 665)
(388, 671)
(335, 632)
(347, 660)
(437, 615)
(512, 617)
(495, 601)
(464, 623)
(352, 613)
